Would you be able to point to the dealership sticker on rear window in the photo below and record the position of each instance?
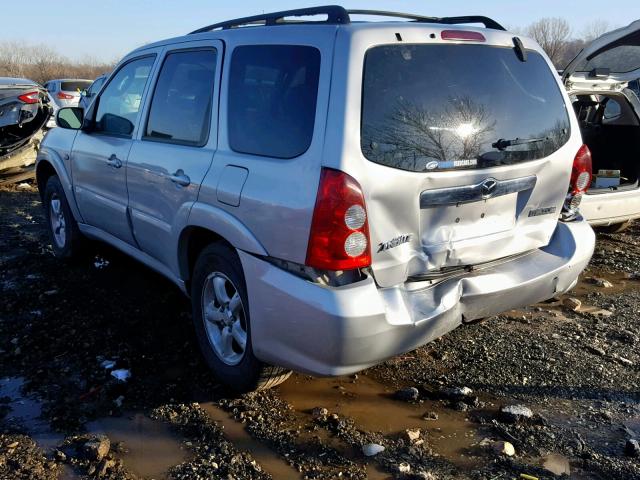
(465, 162)
(536, 212)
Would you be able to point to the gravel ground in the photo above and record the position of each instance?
(66, 327)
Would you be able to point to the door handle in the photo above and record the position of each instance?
(180, 178)
(114, 161)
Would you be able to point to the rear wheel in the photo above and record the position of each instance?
(615, 227)
(222, 322)
(65, 236)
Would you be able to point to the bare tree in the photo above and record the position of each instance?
(552, 34)
(41, 63)
(413, 134)
(595, 29)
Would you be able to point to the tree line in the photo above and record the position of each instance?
(42, 63)
(558, 40)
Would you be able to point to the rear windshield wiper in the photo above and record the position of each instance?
(503, 144)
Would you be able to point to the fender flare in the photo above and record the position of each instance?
(221, 223)
(50, 156)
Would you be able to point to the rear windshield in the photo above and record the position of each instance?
(74, 86)
(444, 107)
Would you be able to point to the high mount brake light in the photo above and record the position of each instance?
(580, 182)
(464, 35)
(339, 238)
(31, 97)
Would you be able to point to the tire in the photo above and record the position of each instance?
(615, 227)
(218, 281)
(66, 239)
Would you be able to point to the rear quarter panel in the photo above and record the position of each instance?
(278, 196)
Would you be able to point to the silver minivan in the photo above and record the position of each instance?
(604, 87)
(329, 193)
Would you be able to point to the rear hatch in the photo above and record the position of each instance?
(470, 152)
(608, 63)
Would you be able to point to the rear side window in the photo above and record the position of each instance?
(74, 86)
(272, 99)
(444, 107)
(119, 103)
(181, 106)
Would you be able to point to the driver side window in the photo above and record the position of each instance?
(119, 104)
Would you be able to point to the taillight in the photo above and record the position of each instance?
(580, 182)
(339, 238)
(31, 97)
(581, 172)
(64, 96)
(463, 35)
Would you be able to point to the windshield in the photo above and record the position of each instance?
(74, 85)
(443, 107)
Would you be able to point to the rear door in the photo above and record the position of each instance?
(99, 155)
(176, 144)
(465, 149)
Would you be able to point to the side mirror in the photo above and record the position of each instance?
(70, 118)
(84, 93)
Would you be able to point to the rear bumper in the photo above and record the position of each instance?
(336, 331)
(609, 208)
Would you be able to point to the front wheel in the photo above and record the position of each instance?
(222, 322)
(63, 229)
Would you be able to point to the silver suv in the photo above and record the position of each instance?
(329, 193)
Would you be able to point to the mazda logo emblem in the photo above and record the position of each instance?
(488, 187)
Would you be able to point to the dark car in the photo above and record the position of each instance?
(24, 110)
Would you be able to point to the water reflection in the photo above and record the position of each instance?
(461, 135)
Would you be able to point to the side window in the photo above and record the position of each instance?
(95, 86)
(181, 106)
(612, 110)
(273, 91)
(119, 104)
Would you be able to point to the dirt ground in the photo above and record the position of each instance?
(67, 330)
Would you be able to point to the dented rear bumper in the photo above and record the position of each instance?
(325, 330)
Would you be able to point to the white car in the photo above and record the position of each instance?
(64, 93)
(603, 85)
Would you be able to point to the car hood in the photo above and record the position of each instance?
(617, 50)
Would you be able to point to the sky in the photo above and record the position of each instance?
(108, 29)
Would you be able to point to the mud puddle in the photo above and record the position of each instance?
(235, 432)
(621, 282)
(23, 413)
(150, 448)
(371, 406)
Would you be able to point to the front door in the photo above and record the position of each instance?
(99, 155)
(176, 145)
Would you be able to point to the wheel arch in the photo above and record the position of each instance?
(48, 164)
(208, 224)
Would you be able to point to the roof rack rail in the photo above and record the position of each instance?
(486, 21)
(337, 15)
